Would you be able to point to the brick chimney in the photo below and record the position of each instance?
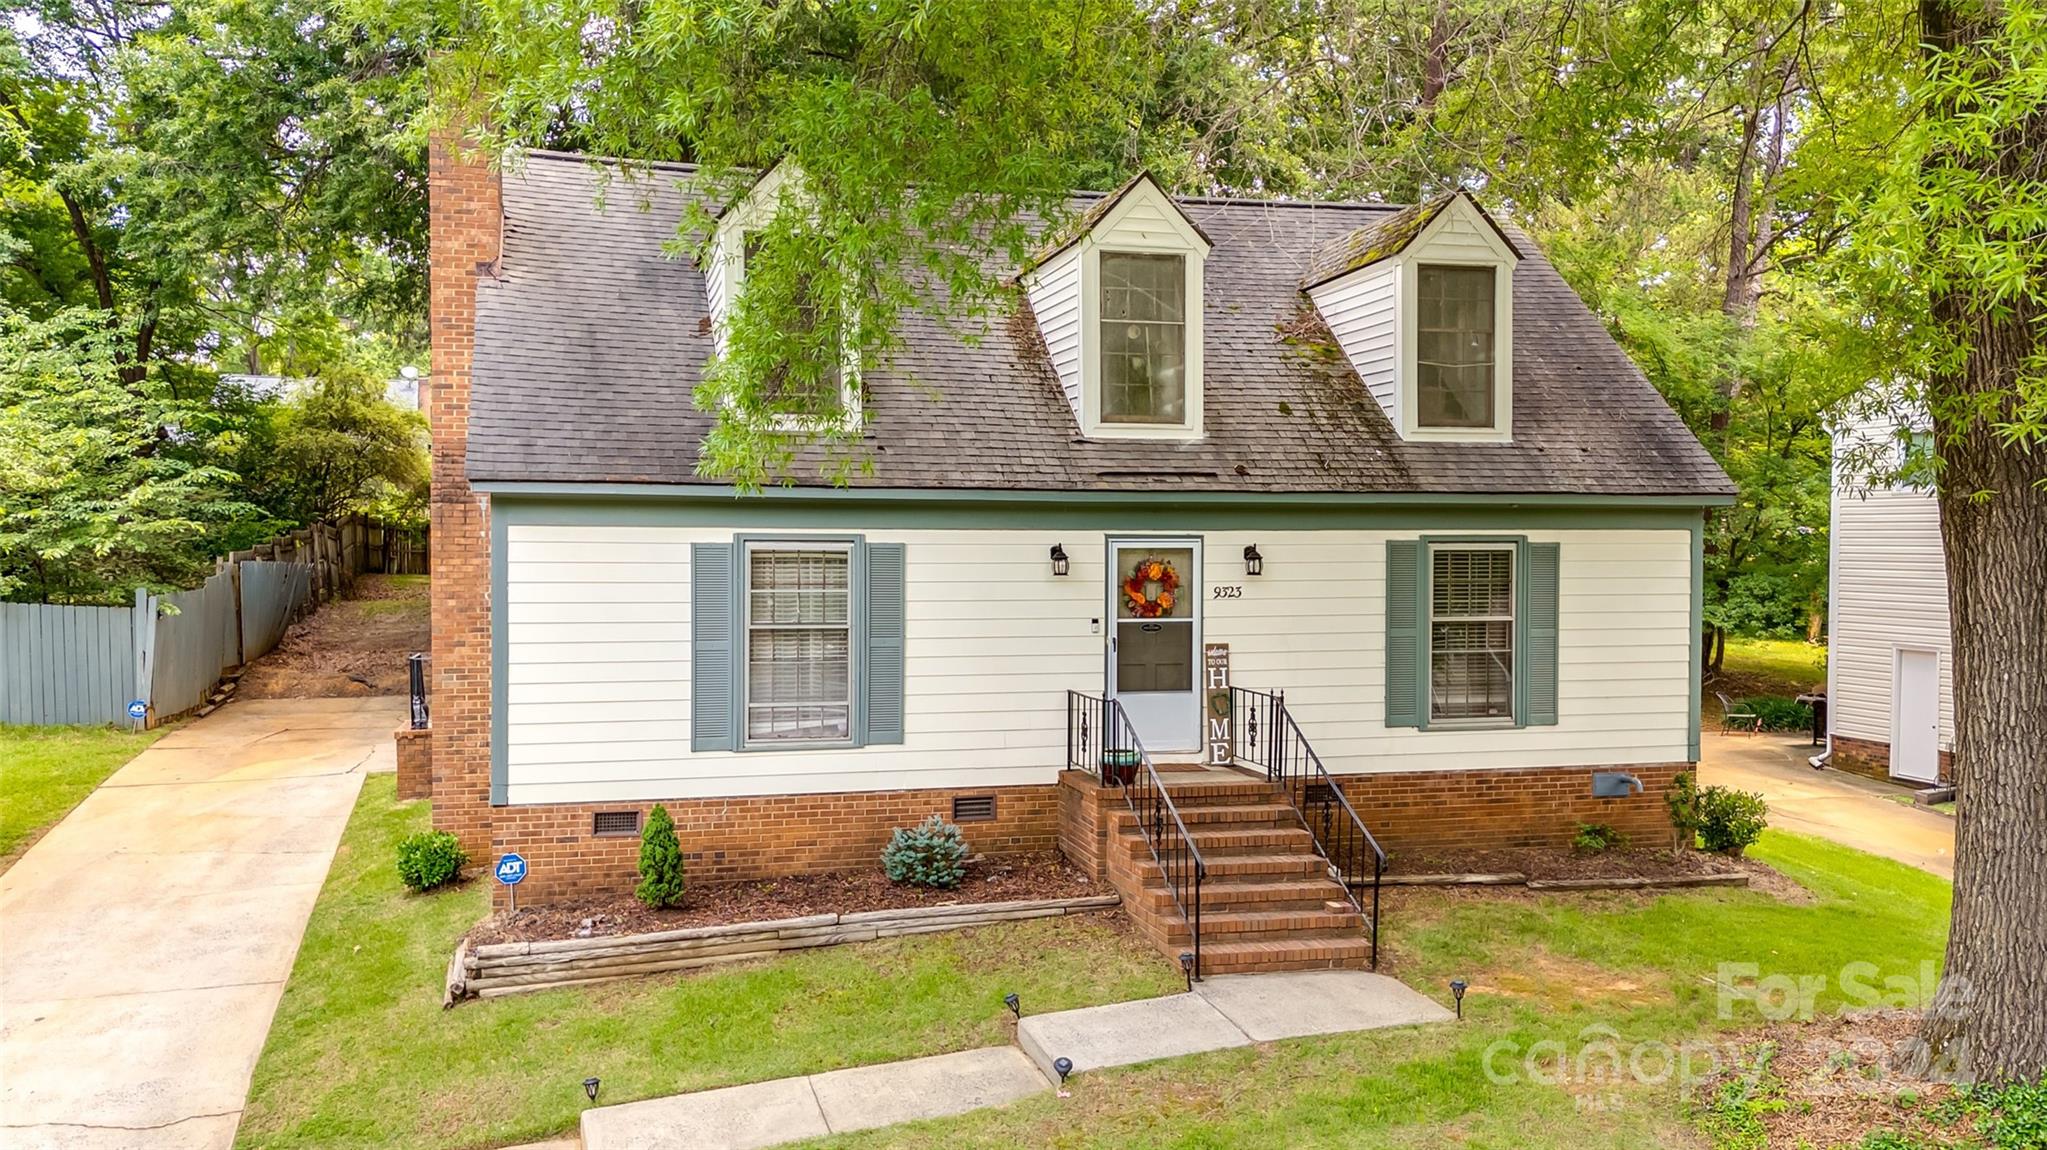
(466, 211)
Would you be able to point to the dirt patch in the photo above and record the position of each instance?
(1831, 1082)
(348, 648)
(1007, 878)
(1558, 981)
(1553, 863)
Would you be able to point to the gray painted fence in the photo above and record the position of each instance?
(271, 594)
(196, 639)
(63, 665)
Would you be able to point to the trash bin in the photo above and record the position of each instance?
(1818, 702)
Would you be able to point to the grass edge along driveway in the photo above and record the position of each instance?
(46, 771)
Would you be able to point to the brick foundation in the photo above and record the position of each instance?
(1083, 824)
(1872, 760)
(415, 763)
(1418, 811)
(755, 837)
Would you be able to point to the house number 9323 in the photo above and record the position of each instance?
(1226, 592)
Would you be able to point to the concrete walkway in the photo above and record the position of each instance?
(1847, 809)
(144, 942)
(1225, 1011)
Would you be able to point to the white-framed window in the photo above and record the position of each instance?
(799, 643)
(1144, 338)
(1455, 330)
(1471, 633)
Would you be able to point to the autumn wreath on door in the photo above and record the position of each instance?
(1149, 590)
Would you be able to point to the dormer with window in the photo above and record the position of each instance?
(735, 244)
(1119, 304)
(1422, 303)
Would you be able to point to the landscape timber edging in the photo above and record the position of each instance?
(492, 969)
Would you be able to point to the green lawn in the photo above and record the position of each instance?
(45, 771)
(361, 1053)
(1783, 667)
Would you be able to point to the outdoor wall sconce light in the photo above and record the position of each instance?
(1254, 563)
(591, 1086)
(1457, 989)
(1187, 967)
(1059, 564)
(1014, 1004)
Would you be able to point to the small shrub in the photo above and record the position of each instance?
(661, 869)
(430, 859)
(931, 854)
(1779, 713)
(1730, 821)
(1597, 838)
(1683, 800)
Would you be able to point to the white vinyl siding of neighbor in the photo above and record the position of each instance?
(1362, 311)
(597, 653)
(1888, 592)
(1054, 291)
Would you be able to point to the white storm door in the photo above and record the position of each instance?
(1915, 717)
(1155, 639)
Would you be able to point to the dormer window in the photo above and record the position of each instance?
(1144, 338)
(1118, 302)
(1454, 350)
(1422, 302)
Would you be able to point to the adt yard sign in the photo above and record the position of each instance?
(512, 870)
(138, 710)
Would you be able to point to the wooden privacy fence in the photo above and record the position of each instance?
(71, 665)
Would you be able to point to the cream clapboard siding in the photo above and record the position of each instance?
(1888, 591)
(1459, 238)
(1362, 311)
(598, 660)
(1054, 290)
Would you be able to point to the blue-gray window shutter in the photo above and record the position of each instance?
(1405, 683)
(886, 609)
(1538, 638)
(713, 627)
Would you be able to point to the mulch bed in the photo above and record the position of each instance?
(1554, 863)
(1007, 878)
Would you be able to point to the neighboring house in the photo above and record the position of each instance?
(1890, 659)
(1385, 455)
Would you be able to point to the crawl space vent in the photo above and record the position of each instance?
(973, 808)
(615, 823)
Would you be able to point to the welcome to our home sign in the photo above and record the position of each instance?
(1216, 719)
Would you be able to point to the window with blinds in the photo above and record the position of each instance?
(1454, 353)
(799, 644)
(1471, 633)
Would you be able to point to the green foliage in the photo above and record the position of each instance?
(1682, 800)
(336, 448)
(429, 859)
(1597, 838)
(661, 864)
(931, 854)
(1732, 1109)
(2012, 1116)
(1730, 821)
(1779, 713)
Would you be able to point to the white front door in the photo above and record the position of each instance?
(1155, 639)
(1915, 717)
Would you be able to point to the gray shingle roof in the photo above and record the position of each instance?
(590, 339)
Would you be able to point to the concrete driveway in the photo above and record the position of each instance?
(144, 942)
(1848, 809)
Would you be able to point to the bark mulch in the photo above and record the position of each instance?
(1832, 1082)
(1006, 878)
(1555, 863)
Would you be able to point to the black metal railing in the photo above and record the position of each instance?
(1101, 741)
(1265, 735)
(415, 667)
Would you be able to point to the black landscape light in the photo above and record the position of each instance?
(1062, 1066)
(1187, 967)
(1457, 988)
(1059, 564)
(1014, 1004)
(1254, 563)
(591, 1086)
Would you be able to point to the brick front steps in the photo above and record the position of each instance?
(1269, 902)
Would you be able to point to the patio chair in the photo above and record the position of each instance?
(1733, 715)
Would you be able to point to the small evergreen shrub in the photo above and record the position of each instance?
(661, 868)
(931, 854)
(1779, 713)
(1597, 838)
(1730, 821)
(430, 859)
(1683, 800)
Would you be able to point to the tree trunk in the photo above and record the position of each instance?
(1987, 1022)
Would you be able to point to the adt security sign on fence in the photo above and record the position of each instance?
(511, 870)
(138, 710)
